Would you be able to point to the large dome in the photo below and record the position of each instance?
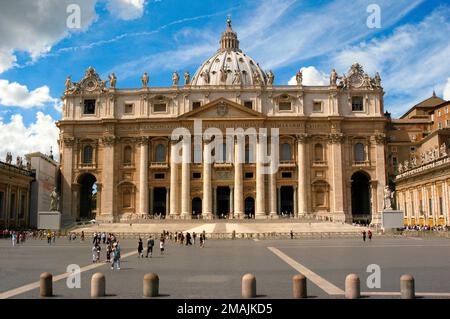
(229, 65)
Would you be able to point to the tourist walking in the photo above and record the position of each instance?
(82, 235)
(140, 248)
(194, 236)
(161, 245)
(150, 244)
(94, 253)
(13, 238)
(364, 235)
(292, 234)
(188, 239)
(104, 238)
(108, 253)
(49, 237)
(116, 256)
(369, 234)
(202, 241)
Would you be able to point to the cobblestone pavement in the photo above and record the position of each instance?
(216, 270)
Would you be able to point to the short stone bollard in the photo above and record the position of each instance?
(46, 284)
(98, 285)
(407, 290)
(352, 287)
(151, 285)
(248, 286)
(299, 286)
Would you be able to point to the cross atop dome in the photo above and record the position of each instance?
(229, 40)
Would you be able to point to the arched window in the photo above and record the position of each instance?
(286, 153)
(360, 154)
(127, 152)
(160, 153)
(318, 153)
(87, 154)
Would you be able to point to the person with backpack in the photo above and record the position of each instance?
(150, 244)
(116, 256)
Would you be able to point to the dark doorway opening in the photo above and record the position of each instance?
(249, 209)
(159, 201)
(361, 206)
(286, 200)
(88, 196)
(196, 206)
(223, 201)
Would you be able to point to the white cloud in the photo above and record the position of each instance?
(311, 76)
(19, 139)
(35, 26)
(446, 92)
(15, 94)
(126, 9)
(412, 61)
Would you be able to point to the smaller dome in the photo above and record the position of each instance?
(229, 65)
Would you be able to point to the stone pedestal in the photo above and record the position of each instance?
(392, 219)
(49, 220)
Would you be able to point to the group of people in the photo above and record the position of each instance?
(113, 249)
(188, 239)
(19, 237)
(426, 228)
(150, 245)
(367, 235)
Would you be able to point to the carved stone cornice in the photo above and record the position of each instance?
(69, 141)
(108, 140)
(380, 138)
(142, 140)
(302, 137)
(335, 138)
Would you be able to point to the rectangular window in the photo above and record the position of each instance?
(196, 175)
(284, 106)
(89, 106)
(394, 161)
(159, 107)
(317, 107)
(439, 125)
(441, 208)
(439, 113)
(248, 174)
(421, 207)
(159, 176)
(430, 205)
(286, 174)
(126, 199)
(196, 105)
(406, 208)
(2, 204)
(357, 104)
(248, 104)
(448, 123)
(12, 206)
(128, 108)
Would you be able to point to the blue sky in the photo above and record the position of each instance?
(411, 50)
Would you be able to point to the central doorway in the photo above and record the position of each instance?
(361, 204)
(159, 201)
(286, 200)
(88, 196)
(196, 206)
(249, 205)
(223, 201)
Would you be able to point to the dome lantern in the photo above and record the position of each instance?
(229, 40)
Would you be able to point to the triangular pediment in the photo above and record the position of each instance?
(222, 109)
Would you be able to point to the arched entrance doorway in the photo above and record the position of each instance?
(196, 206)
(249, 205)
(361, 204)
(223, 201)
(286, 200)
(159, 201)
(88, 196)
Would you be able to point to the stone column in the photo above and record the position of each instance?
(373, 197)
(207, 196)
(143, 175)
(260, 211)
(295, 201)
(174, 211)
(108, 181)
(66, 179)
(214, 200)
(435, 200)
(445, 199)
(185, 179)
(238, 179)
(231, 202)
(301, 171)
(335, 141)
(380, 162)
(167, 201)
(273, 194)
(150, 201)
(279, 200)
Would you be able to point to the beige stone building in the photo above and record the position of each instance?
(419, 162)
(15, 181)
(332, 147)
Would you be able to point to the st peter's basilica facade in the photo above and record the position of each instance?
(332, 145)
